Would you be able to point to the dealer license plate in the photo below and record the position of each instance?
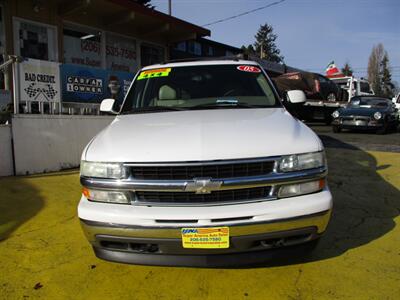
(210, 238)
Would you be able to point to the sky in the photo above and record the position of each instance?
(311, 33)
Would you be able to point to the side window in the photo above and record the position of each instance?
(322, 79)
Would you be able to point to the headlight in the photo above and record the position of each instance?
(377, 115)
(106, 196)
(305, 161)
(103, 170)
(335, 114)
(298, 189)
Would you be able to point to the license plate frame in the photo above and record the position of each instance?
(205, 237)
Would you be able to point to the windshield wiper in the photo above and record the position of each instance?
(151, 109)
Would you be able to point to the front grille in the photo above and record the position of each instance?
(214, 171)
(356, 118)
(213, 197)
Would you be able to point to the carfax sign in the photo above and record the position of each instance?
(91, 85)
(39, 81)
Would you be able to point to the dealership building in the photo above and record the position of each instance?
(80, 51)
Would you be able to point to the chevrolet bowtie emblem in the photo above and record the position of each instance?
(203, 185)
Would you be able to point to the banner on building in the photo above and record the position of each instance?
(39, 80)
(92, 85)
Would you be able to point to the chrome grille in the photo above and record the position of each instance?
(192, 198)
(215, 171)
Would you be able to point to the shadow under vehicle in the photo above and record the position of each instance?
(365, 207)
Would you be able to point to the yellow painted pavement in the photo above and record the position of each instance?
(44, 255)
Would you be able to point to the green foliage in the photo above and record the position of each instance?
(379, 74)
(265, 45)
(386, 78)
(144, 3)
(347, 70)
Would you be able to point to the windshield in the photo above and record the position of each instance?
(364, 87)
(200, 87)
(368, 103)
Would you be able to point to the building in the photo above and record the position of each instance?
(201, 47)
(87, 44)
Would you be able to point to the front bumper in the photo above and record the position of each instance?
(163, 246)
(357, 124)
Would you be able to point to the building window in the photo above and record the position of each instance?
(121, 53)
(210, 51)
(194, 47)
(181, 46)
(35, 40)
(82, 46)
(228, 53)
(150, 55)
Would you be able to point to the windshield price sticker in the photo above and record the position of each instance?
(209, 238)
(250, 69)
(154, 73)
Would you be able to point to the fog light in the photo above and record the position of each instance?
(106, 196)
(301, 188)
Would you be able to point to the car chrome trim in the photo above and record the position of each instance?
(202, 163)
(319, 220)
(132, 184)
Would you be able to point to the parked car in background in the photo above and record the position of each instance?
(396, 101)
(202, 163)
(315, 86)
(366, 113)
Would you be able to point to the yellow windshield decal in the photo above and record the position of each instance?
(154, 73)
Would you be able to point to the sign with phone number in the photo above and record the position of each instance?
(206, 238)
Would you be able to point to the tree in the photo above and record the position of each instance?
(386, 77)
(248, 50)
(379, 74)
(347, 70)
(265, 44)
(145, 3)
(374, 67)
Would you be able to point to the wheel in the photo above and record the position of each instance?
(331, 97)
(382, 130)
(336, 129)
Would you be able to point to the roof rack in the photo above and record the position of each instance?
(231, 57)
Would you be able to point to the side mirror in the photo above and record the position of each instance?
(107, 106)
(296, 96)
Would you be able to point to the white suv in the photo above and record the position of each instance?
(203, 166)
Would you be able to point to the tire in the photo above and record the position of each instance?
(382, 130)
(331, 97)
(336, 129)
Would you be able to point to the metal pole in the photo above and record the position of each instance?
(170, 7)
(15, 87)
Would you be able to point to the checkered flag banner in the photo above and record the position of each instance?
(34, 91)
(50, 92)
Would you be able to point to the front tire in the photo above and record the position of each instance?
(382, 130)
(336, 129)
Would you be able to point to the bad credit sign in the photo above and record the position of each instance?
(39, 81)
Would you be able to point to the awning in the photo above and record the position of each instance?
(129, 18)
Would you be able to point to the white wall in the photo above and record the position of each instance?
(44, 143)
(6, 165)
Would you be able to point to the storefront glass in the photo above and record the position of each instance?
(82, 47)
(151, 54)
(121, 53)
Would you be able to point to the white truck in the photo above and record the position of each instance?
(203, 166)
(353, 86)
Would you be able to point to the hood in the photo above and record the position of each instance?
(201, 135)
(366, 112)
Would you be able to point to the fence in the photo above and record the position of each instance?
(6, 156)
(44, 143)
